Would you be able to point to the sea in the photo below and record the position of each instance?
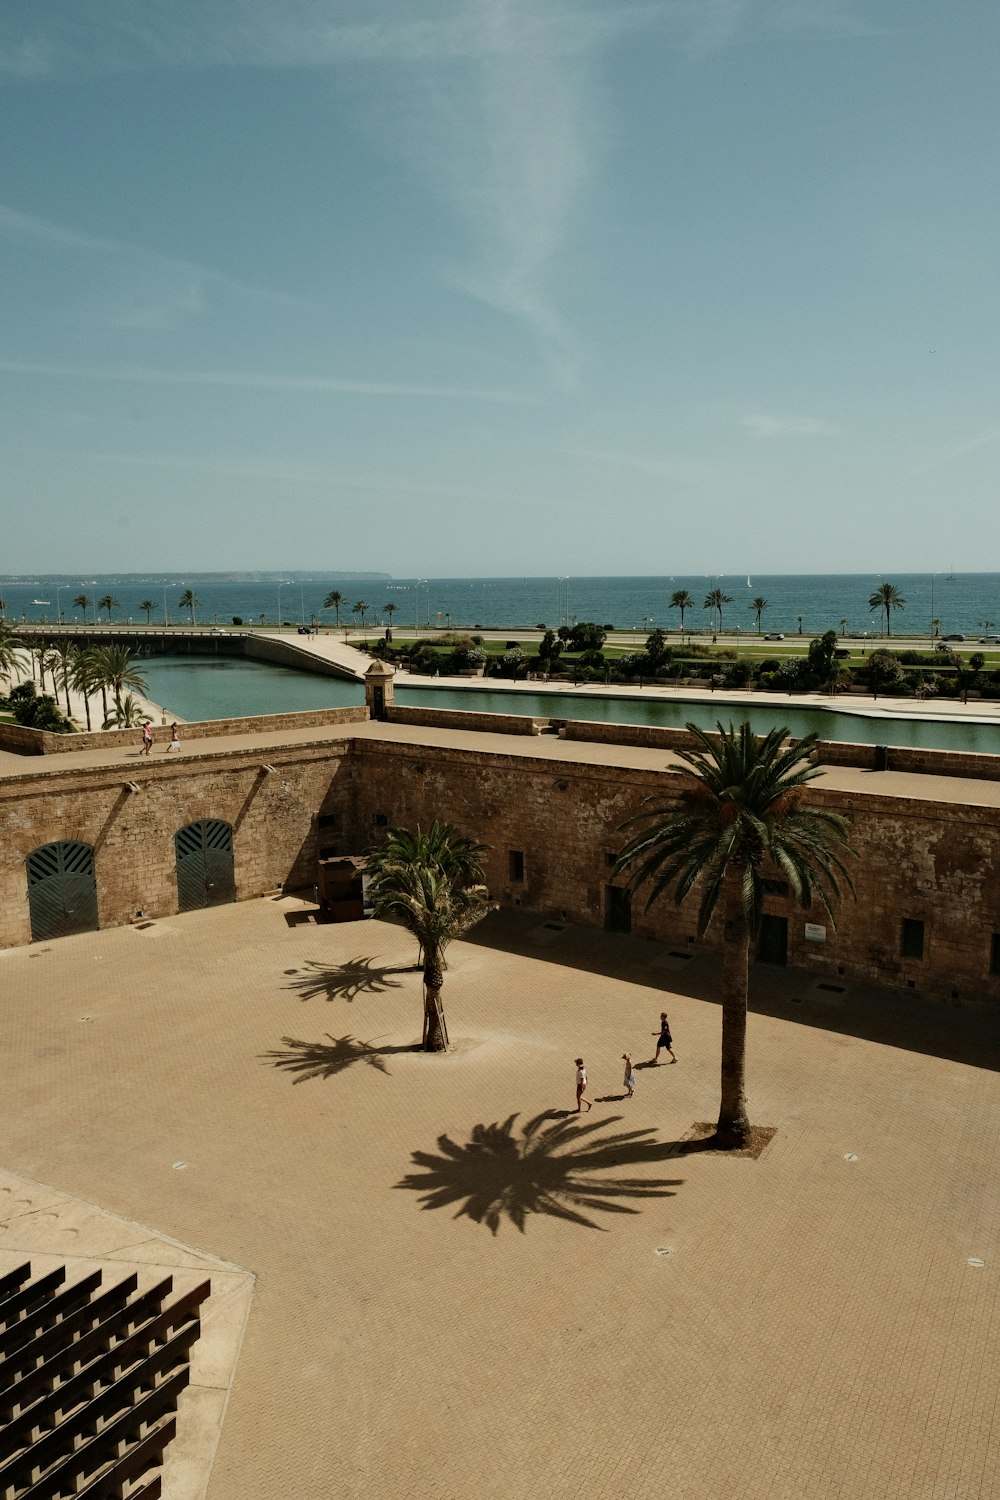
(806, 603)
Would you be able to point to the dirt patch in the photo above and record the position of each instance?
(701, 1137)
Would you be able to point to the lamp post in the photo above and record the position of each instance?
(933, 616)
(59, 589)
(281, 585)
(166, 617)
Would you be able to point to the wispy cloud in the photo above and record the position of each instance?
(494, 104)
(778, 425)
(954, 454)
(258, 381)
(170, 286)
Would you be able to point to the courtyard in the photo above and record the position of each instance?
(464, 1289)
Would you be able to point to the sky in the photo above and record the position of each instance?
(499, 287)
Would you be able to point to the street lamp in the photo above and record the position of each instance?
(281, 585)
(933, 616)
(59, 589)
(166, 617)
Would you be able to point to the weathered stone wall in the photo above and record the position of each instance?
(39, 742)
(446, 718)
(275, 819)
(552, 828)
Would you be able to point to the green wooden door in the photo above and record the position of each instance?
(62, 890)
(205, 874)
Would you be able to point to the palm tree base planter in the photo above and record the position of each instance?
(704, 1136)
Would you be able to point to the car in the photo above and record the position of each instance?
(216, 630)
(953, 637)
(775, 635)
(842, 653)
(989, 640)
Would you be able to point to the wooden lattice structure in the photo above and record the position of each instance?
(89, 1383)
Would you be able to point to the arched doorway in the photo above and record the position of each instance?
(62, 889)
(205, 874)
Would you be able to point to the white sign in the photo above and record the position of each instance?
(815, 932)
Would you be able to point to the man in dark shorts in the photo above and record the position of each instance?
(665, 1040)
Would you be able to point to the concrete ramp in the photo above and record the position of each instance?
(329, 654)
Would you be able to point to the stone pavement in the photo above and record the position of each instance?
(462, 1290)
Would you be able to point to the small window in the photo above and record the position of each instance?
(328, 820)
(912, 938)
(610, 860)
(381, 820)
(515, 864)
(995, 954)
(774, 887)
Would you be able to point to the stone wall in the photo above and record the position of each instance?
(280, 819)
(551, 827)
(446, 718)
(39, 742)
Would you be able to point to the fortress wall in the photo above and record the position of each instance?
(938, 863)
(275, 817)
(39, 742)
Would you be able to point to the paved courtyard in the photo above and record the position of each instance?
(464, 1291)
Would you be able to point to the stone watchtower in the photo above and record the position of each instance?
(378, 689)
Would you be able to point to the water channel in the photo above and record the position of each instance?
(231, 687)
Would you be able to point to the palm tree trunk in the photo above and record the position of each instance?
(733, 1128)
(435, 1037)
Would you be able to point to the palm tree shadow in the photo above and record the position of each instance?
(320, 1060)
(356, 976)
(550, 1166)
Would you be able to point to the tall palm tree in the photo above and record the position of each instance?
(108, 602)
(83, 601)
(334, 600)
(432, 882)
(63, 657)
(739, 819)
(682, 600)
(361, 608)
(888, 598)
(390, 609)
(115, 664)
(148, 605)
(758, 607)
(189, 600)
(87, 679)
(3, 609)
(714, 600)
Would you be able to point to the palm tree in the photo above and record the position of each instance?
(114, 664)
(887, 597)
(758, 607)
(432, 882)
(361, 608)
(148, 605)
(189, 600)
(3, 609)
(11, 660)
(843, 627)
(83, 601)
(738, 820)
(682, 600)
(63, 659)
(714, 600)
(334, 600)
(85, 680)
(127, 714)
(108, 602)
(390, 609)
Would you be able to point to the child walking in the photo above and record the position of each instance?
(629, 1079)
(581, 1086)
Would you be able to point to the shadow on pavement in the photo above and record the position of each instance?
(327, 1059)
(356, 976)
(953, 1032)
(551, 1165)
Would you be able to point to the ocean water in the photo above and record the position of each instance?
(219, 688)
(965, 602)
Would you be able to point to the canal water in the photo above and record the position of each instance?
(231, 687)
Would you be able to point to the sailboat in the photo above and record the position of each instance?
(749, 584)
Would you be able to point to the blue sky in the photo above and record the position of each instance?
(497, 287)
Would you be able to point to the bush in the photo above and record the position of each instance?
(237, 619)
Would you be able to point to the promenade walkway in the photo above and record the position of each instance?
(463, 1290)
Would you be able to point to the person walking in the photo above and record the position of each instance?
(665, 1040)
(581, 1086)
(175, 741)
(629, 1079)
(147, 737)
